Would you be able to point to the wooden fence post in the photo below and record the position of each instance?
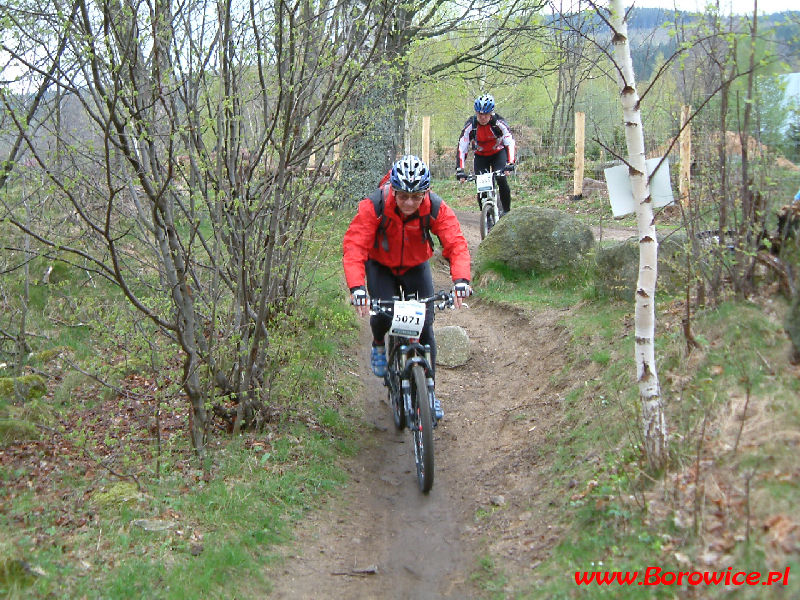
(685, 142)
(580, 143)
(426, 141)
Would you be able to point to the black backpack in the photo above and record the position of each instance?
(424, 220)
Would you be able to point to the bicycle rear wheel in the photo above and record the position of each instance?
(422, 429)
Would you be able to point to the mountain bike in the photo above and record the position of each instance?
(488, 200)
(409, 375)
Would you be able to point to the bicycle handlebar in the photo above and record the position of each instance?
(473, 176)
(444, 298)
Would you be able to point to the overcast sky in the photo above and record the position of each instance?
(737, 6)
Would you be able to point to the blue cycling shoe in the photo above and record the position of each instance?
(378, 360)
(438, 413)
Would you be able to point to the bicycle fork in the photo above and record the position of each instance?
(411, 418)
(405, 386)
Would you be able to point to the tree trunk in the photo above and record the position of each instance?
(369, 154)
(716, 277)
(654, 426)
(750, 220)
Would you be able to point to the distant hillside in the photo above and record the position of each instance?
(650, 35)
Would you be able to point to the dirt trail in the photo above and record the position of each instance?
(383, 538)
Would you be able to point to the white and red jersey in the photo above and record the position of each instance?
(485, 140)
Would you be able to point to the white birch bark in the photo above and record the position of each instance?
(653, 422)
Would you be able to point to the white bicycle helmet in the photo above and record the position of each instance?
(410, 174)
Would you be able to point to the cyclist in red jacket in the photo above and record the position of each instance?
(489, 136)
(389, 244)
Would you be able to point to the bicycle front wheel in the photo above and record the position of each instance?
(423, 429)
(487, 219)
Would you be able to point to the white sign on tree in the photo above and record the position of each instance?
(620, 192)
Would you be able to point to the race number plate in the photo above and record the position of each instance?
(484, 182)
(408, 319)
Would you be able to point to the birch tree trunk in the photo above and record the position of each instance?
(653, 422)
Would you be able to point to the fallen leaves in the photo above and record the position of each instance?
(782, 533)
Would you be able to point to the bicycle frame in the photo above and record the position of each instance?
(407, 355)
(409, 376)
(403, 352)
(488, 201)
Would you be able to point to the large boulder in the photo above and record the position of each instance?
(452, 346)
(533, 239)
(617, 266)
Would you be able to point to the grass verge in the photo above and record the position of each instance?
(96, 505)
(728, 503)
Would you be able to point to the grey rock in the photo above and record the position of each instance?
(533, 239)
(153, 524)
(617, 266)
(452, 346)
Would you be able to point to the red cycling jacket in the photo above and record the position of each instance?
(407, 246)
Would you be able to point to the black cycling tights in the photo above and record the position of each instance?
(496, 162)
(383, 284)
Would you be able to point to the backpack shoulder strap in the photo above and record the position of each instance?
(473, 120)
(425, 222)
(495, 127)
(377, 201)
(436, 204)
(378, 204)
(496, 121)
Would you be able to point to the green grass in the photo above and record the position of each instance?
(490, 578)
(606, 526)
(554, 290)
(600, 548)
(223, 529)
(228, 519)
